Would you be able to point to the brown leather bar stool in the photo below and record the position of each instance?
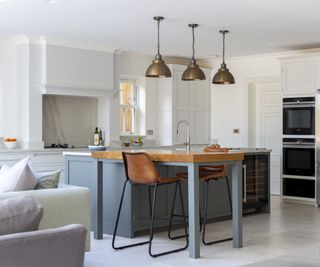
(206, 174)
(140, 170)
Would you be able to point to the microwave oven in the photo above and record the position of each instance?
(299, 116)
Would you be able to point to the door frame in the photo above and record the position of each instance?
(250, 95)
(252, 113)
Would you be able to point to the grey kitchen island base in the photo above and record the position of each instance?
(135, 216)
(106, 168)
(82, 171)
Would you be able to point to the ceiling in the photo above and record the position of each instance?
(257, 26)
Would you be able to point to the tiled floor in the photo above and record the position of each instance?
(289, 236)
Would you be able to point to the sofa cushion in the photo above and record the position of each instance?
(4, 168)
(19, 214)
(48, 179)
(18, 178)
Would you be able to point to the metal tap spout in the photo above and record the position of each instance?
(188, 132)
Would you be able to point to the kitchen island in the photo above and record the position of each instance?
(103, 173)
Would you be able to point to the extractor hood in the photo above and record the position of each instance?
(77, 90)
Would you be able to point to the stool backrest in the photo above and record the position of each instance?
(221, 169)
(139, 168)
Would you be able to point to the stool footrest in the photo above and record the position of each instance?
(217, 241)
(132, 245)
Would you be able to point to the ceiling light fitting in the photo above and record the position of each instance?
(50, 2)
(193, 71)
(223, 76)
(158, 68)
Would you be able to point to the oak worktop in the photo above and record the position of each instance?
(174, 155)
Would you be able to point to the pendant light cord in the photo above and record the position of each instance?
(193, 40)
(223, 47)
(158, 36)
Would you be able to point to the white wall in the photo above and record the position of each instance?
(230, 102)
(8, 88)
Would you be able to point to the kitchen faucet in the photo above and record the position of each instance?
(188, 132)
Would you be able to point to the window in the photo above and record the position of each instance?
(128, 106)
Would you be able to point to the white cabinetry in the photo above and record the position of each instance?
(42, 161)
(300, 76)
(177, 100)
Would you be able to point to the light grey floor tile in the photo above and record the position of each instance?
(289, 236)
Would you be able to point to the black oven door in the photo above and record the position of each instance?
(299, 161)
(299, 120)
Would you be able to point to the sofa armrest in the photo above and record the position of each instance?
(63, 247)
(61, 206)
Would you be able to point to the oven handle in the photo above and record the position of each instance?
(295, 105)
(298, 146)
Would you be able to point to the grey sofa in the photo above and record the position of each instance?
(57, 247)
(61, 206)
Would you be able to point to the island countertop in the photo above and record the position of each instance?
(175, 149)
(174, 155)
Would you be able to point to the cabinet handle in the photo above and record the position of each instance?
(244, 182)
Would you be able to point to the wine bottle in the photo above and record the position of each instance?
(96, 137)
(100, 139)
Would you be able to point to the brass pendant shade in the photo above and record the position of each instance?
(158, 68)
(193, 71)
(223, 76)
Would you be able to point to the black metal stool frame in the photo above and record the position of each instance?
(152, 217)
(204, 223)
(206, 195)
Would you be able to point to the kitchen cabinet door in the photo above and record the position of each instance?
(199, 124)
(198, 94)
(300, 77)
(183, 100)
(181, 91)
(192, 103)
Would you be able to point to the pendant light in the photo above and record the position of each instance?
(223, 76)
(193, 72)
(158, 68)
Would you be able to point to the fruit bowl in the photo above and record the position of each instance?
(10, 143)
(136, 144)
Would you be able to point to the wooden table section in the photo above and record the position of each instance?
(192, 160)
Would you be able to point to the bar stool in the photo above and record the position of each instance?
(206, 174)
(140, 170)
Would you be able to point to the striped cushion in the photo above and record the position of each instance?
(18, 178)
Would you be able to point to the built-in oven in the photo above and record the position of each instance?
(299, 157)
(299, 116)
